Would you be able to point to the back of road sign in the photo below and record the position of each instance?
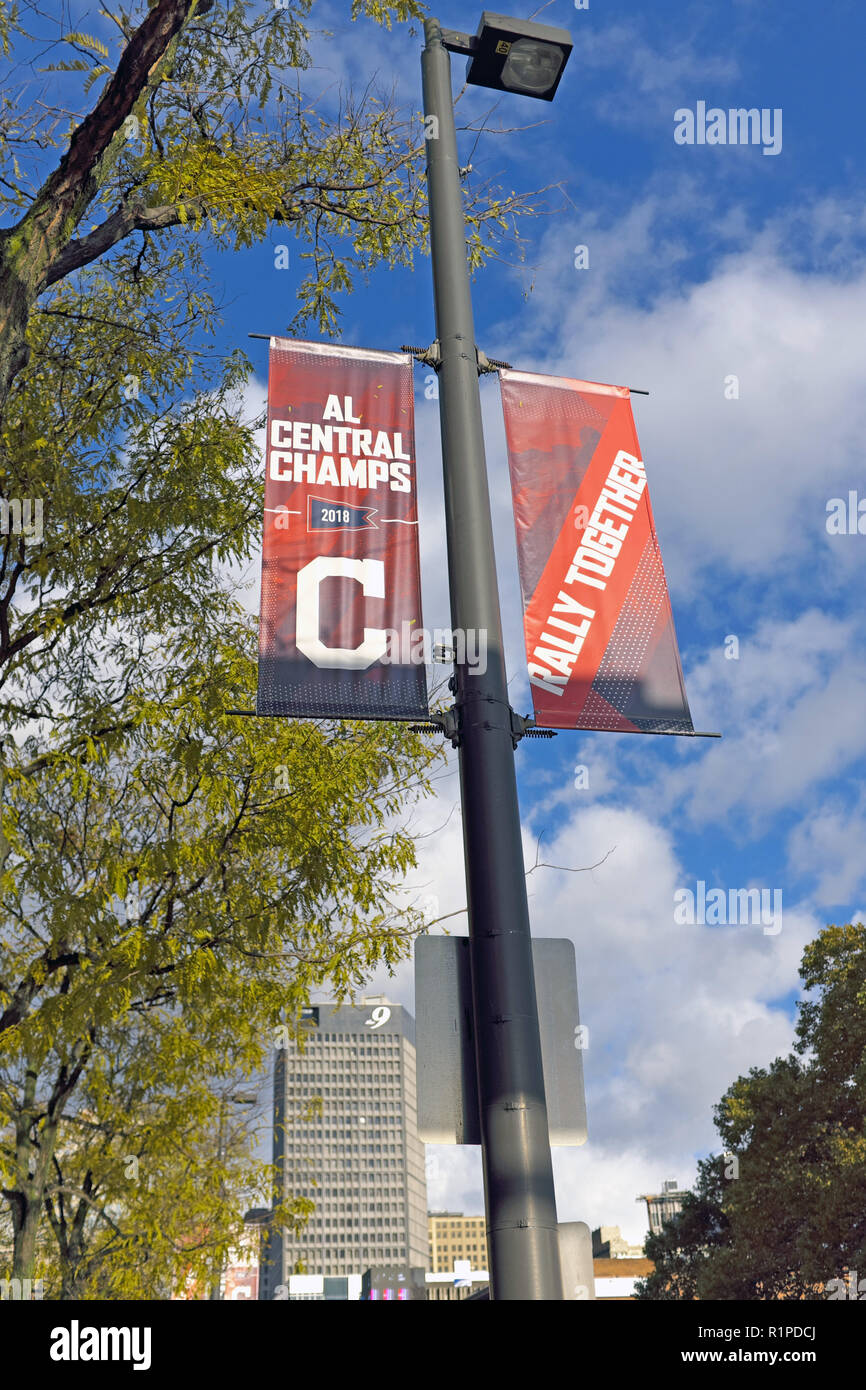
(575, 1254)
(445, 1046)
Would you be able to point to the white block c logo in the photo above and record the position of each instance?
(370, 574)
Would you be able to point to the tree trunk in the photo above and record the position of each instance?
(26, 1211)
(28, 250)
(16, 299)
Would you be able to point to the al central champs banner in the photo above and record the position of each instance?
(340, 571)
(600, 639)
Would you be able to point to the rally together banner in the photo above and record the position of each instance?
(340, 568)
(600, 639)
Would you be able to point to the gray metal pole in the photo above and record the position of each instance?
(518, 1175)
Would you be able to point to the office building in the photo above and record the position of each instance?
(346, 1136)
(609, 1243)
(454, 1236)
(662, 1206)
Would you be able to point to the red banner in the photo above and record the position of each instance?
(341, 592)
(600, 639)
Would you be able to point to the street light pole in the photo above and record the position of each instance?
(520, 1202)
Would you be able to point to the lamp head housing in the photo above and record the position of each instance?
(517, 55)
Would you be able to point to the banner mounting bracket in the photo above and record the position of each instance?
(445, 721)
(524, 726)
(432, 357)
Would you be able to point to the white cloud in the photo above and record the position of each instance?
(675, 1013)
(649, 81)
(791, 711)
(739, 486)
(829, 844)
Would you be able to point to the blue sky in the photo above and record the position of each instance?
(705, 262)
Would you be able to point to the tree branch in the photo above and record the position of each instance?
(129, 217)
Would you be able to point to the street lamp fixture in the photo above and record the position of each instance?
(513, 55)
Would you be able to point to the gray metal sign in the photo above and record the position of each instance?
(447, 1093)
(575, 1253)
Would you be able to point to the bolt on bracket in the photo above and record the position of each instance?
(432, 357)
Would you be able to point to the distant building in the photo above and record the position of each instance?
(358, 1158)
(608, 1243)
(454, 1236)
(240, 1281)
(662, 1206)
(441, 1288)
(321, 1288)
(394, 1284)
(615, 1279)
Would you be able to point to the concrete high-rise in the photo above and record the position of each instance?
(359, 1158)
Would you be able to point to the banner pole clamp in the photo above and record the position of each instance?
(443, 722)
(432, 357)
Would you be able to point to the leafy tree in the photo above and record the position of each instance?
(197, 862)
(148, 479)
(153, 1170)
(688, 1241)
(200, 123)
(127, 429)
(794, 1218)
(122, 778)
